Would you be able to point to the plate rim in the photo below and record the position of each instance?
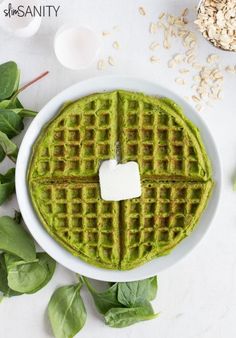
(43, 238)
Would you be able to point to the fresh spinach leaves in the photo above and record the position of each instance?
(10, 149)
(15, 240)
(11, 123)
(124, 304)
(104, 300)
(4, 287)
(12, 114)
(66, 311)
(7, 185)
(9, 79)
(49, 265)
(122, 317)
(22, 270)
(131, 293)
(29, 277)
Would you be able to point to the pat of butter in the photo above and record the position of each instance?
(119, 181)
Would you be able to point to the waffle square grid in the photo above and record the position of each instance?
(64, 185)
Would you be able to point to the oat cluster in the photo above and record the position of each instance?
(205, 78)
(208, 77)
(217, 22)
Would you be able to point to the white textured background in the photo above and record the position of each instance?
(197, 297)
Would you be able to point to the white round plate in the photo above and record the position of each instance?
(55, 250)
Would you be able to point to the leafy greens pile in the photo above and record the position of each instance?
(12, 114)
(22, 270)
(122, 304)
(25, 271)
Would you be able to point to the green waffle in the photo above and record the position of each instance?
(174, 167)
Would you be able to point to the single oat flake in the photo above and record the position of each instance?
(154, 59)
(111, 61)
(101, 65)
(142, 11)
(116, 45)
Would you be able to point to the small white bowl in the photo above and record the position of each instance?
(76, 47)
(95, 85)
(23, 27)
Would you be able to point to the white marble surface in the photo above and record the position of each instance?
(197, 297)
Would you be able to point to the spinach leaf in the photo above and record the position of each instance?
(104, 300)
(22, 112)
(29, 277)
(12, 103)
(122, 317)
(5, 104)
(15, 240)
(2, 154)
(4, 288)
(15, 106)
(152, 288)
(11, 124)
(9, 148)
(49, 265)
(66, 311)
(9, 79)
(7, 185)
(15, 103)
(131, 293)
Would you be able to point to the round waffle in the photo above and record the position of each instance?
(174, 168)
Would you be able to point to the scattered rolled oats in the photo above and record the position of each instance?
(213, 58)
(184, 71)
(198, 107)
(105, 33)
(190, 52)
(196, 99)
(208, 78)
(217, 22)
(116, 45)
(161, 16)
(196, 78)
(180, 81)
(189, 40)
(154, 59)
(153, 28)
(171, 63)
(191, 59)
(166, 44)
(196, 66)
(111, 61)
(142, 11)
(101, 65)
(230, 69)
(219, 94)
(178, 58)
(154, 45)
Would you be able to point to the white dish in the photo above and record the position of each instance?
(23, 27)
(55, 250)
(76, 47)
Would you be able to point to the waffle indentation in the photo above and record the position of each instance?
(87, 225)
(160, 218)
(161, 142)
(79, 139)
